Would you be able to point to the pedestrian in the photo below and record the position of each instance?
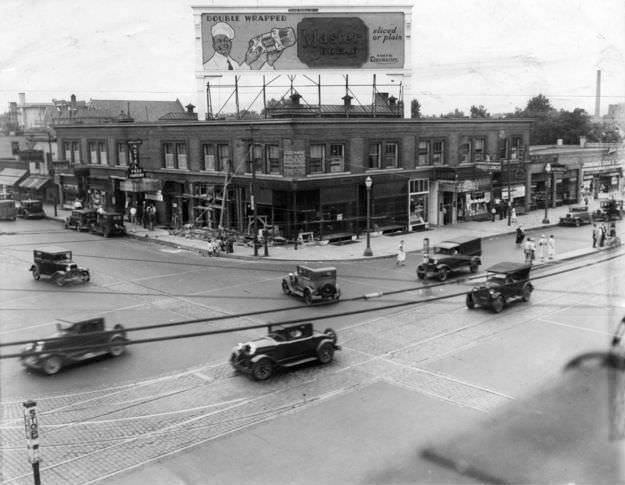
(551, 247)
(211, 247)
(527, 250)
(493, 213)
(513, 218)
(542, 248)
(602, 235)
(401, 254)
(520, 235)
(133, 218)
(595, 235)
(532, 250)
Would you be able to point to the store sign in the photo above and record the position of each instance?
(515, 190)
(302, 40)
(140, 185)
(158, 196)
(599, 165)
(134, 169)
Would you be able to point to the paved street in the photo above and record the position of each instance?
(403, 377)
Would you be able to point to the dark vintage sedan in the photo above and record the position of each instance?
(30, 209)
(505, 282)
(284, 346)
(56, 263)
(73, 343)
(576, 216)
(80, 219)
(108, 224)
(447, 257)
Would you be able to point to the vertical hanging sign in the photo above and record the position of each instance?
(134, 169)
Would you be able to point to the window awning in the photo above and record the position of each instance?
(34, 182)
(10, 176)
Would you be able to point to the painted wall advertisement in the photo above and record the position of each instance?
(291, 41)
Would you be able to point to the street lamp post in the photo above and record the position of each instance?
(368, 184)
(547, 189)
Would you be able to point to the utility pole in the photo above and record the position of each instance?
(253, 191)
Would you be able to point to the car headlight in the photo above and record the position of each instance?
(68, 268)
(491, 291)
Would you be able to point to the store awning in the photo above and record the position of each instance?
(11, 176)
(34, 182)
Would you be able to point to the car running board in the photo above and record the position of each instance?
(298, 362)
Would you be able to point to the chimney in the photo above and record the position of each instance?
(190, 107)
(391, 101)
(598, 96)
(347, 100)
(295, 97)
(560, 142)
(582, 141)
(21, 99)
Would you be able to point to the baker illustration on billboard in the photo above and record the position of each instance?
(272, 44)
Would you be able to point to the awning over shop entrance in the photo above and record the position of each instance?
(11, 176)
(34, 182)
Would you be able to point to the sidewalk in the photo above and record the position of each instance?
(382, 246)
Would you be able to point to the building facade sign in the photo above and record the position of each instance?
(140, 185)
(303, 40)
(134, 168)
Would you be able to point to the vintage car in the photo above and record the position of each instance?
(30, 209)
(505, 282)
(284, 346)
(108, 224)
(73, 343)
(80, 219)
(576, 216)
(8, 212)
(610, 210)
(449, 256)
(312, 284)
(56, 263)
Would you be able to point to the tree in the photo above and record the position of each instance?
(538, 105)
(456, 113)
(415, 109)
(479, 112)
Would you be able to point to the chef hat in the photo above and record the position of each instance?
(222, 28)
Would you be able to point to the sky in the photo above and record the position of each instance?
(495, 53)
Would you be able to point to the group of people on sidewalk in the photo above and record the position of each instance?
(146, 218)
(532, 250)
(603, 235)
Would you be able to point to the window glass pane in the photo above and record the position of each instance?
(424, 153)
(68, 151)
(102, 150)
(317, 158)
(223, 162)
(273, 157)
(390, 155)
(181, 151)
(76, 151)
(478, 153)
(122, 154)
(93, 152)
(375, 150)
(337, 158)
(438, 152)
(209, 157)
(170, 161)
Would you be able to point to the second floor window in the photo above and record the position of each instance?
(383, 155)
(337, 157)
(72, 151)
(216, 156)
(516, 148)
(122, 154)
(472, 150)
(423, 157)
(97, 153)
(272, 153)
(317, 159)
(175, 155)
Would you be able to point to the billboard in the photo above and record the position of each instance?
(302, 41)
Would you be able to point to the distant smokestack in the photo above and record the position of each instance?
(598, 95)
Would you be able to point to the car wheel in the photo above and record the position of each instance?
(262, 369)
(474, 267)
(107, 233)
(59, 280)
(420, 274)
(326, 353)
(116, 349)
(285, 288)
(331, 335)
(527, 293)
(498, 304)
(66, 225)
(85, 276)
(443, 274)
(36, 274)
(327, 290)
(470, 301)
(578, 223)
(307, 297)
(52, 365)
